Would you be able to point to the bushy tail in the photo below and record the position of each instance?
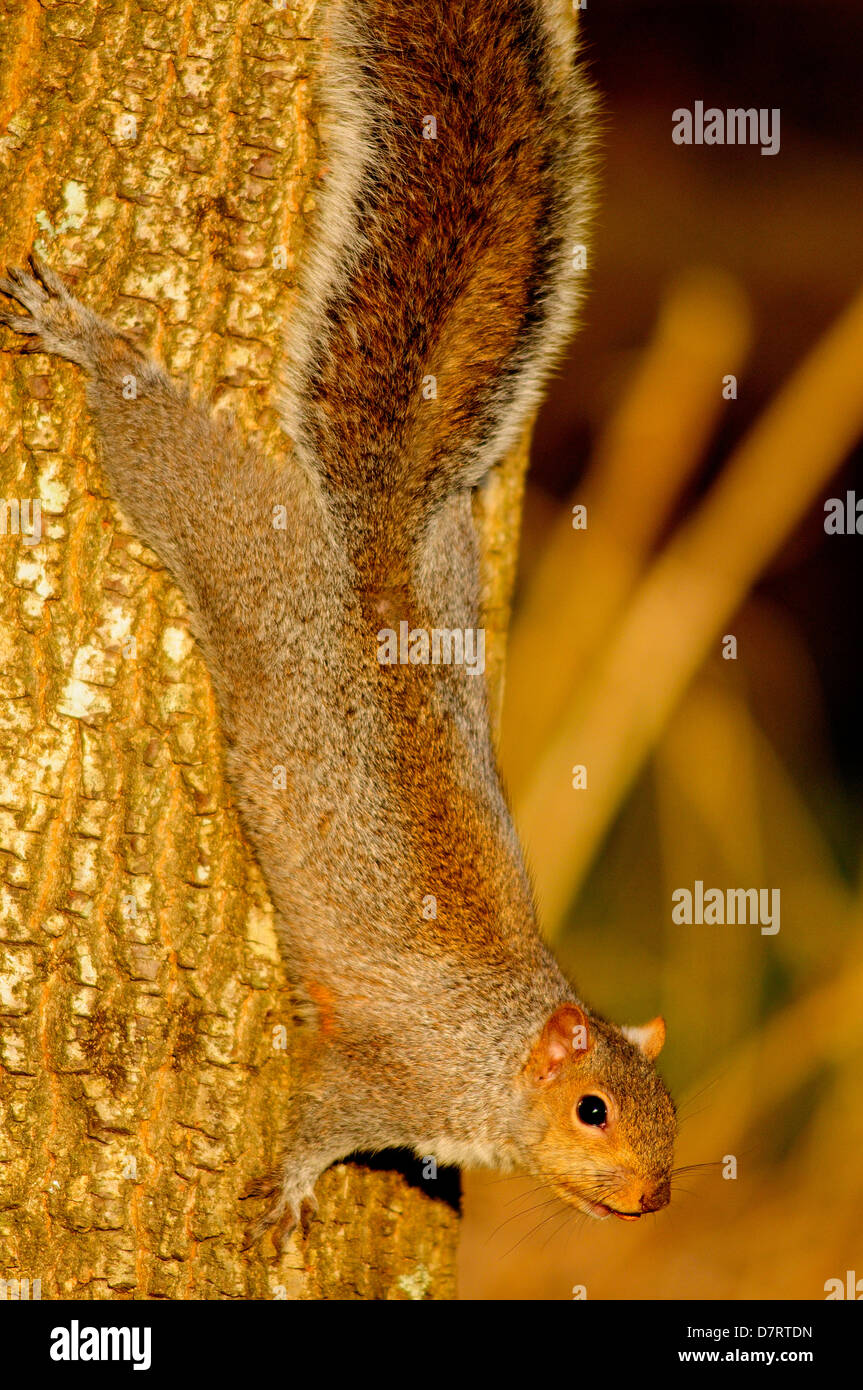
(448, 260)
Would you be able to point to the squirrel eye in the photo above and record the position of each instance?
(592, 1110)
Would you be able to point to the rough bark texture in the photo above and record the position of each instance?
(163, 156)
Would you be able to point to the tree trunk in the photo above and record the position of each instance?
(164, 159)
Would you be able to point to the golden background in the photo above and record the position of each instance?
(705, 518)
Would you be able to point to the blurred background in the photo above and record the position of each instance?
(705, 520)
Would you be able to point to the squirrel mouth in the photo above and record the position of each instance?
(600, 1210)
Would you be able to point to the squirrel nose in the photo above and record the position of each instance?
(656, 1197)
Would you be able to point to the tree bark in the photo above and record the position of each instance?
(163, 158)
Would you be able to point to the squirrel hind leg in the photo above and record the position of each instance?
(48, 313)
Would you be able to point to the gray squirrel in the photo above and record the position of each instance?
(452, 1033)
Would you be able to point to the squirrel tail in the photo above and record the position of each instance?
(447, 265)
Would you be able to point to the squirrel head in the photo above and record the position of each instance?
(606, 1121)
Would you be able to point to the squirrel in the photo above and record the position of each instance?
(451, 1032)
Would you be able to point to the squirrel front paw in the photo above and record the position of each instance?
(290, 1204)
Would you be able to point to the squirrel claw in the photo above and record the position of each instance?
(26, 292)
(32, 290)
(259, 1187)
(47, 278)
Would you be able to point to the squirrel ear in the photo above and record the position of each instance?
(648, 1037)
(565, 1036)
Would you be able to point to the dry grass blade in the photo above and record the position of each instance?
(680, 609)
